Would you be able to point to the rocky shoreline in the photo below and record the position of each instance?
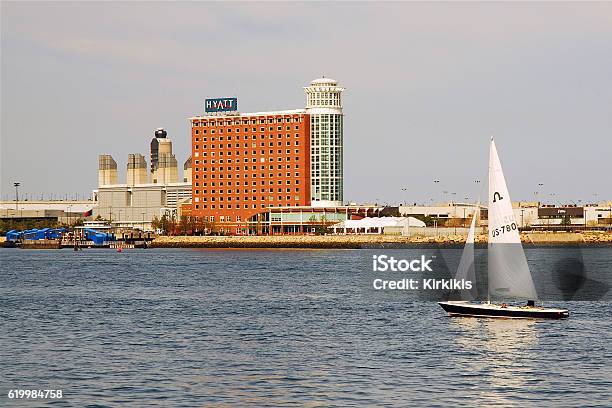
(367, 241)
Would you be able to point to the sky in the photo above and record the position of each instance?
(427, 84)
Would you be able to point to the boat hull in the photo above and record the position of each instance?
(504, 312)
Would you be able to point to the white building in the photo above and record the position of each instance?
(378, 225)
(136, 206)
(324, 104)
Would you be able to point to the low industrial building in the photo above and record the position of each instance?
(443, 211)
(63, 211)
(526, 214)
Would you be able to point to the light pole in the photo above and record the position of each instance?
(143, 221)
(404, 190)
(16, 196)
(436, 182)
(465, 200)
(477, 182)
(537, 192)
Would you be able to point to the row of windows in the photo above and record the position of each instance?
(254, 160)
(246, 198)
(229, 176)
(246, 183)
(327, 150)
(244, 121)
(246, 145)
(326, 117)
(253, 137)
(198, 131)
(245, 206)
(246, 160)
(246, 191)
(246, 153)
(324, 98)
(221, 218)
(254, 175)
(246, 168)
(254, 153)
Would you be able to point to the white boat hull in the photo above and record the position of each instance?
(502, 311)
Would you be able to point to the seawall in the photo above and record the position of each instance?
(366, 241)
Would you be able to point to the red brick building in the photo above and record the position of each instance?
(245, 163)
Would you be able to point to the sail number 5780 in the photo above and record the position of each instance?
(503, 229)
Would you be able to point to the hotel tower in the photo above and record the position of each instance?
(324, 105)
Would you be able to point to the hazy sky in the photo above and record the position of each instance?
(427, 84)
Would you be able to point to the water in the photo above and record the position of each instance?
(274, 328)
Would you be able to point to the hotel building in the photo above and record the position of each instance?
(245, 163)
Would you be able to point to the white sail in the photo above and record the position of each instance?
(466, 270)
(509, 275)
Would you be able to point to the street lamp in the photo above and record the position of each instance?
(16, 196)
(404, 190)
(537, 192)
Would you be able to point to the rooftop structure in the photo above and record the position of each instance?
(136, 169)
(107, 170)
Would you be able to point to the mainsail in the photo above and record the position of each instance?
(509, 275)
(466, 270)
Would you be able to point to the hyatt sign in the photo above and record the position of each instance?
(221, 105)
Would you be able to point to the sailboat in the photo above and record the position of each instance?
(508, 272)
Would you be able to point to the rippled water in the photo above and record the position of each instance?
(272, 328)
